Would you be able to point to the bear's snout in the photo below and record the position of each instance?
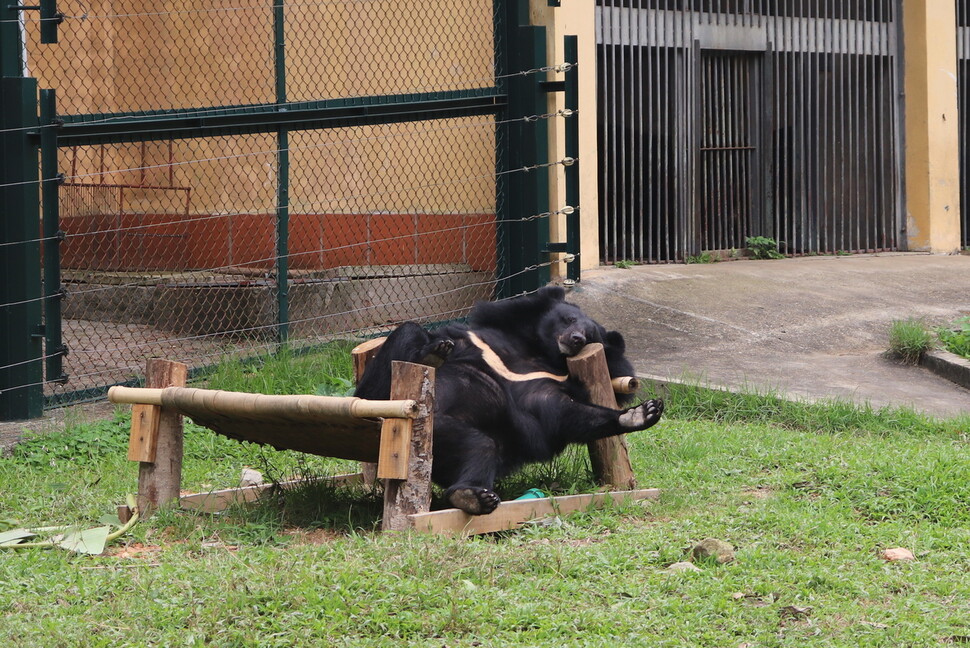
(572, 342)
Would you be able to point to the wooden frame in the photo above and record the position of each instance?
(395, 434)
(391, 438)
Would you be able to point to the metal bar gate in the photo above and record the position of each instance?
(726, 119)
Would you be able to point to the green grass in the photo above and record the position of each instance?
(955, 338)
(808, 494)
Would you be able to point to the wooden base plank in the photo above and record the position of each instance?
(220, 500)
(513, 514)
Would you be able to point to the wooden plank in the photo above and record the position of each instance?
(512, 515)
(364, 353)
(403, 497)
(220, 500)
(361, 355)
(609, 457)
(395, 452)
(143, 439)
(159, 481)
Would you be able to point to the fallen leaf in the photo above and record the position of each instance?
(89, 541)
(14, 536)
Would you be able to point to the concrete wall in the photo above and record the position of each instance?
(573, 18)
(932, 126)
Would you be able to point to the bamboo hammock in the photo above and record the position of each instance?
(329, 426)
(392, 438)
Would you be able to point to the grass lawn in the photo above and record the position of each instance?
(808, 495)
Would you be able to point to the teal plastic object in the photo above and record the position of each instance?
(532, 493)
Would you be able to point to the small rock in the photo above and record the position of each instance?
(893, 555)
(712, 549)
(683, 567)
(250, 477)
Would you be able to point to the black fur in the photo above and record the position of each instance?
(486, 426)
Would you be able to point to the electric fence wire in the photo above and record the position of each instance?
(410, 235)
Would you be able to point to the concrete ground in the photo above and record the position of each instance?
(811, 328)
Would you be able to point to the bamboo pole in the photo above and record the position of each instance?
(302, 407)
(361, 355)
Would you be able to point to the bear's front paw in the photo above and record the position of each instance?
(435, 354)
(642, 416)
(474, 500)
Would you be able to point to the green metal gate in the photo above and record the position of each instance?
(225, 177)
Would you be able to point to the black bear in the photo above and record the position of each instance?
(503, 397)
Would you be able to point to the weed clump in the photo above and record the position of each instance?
(762, 247)
(909, 340)
(956, 337)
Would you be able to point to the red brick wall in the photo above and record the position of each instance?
(170, 242)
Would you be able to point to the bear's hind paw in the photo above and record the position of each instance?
(474, 500)
(642, 416)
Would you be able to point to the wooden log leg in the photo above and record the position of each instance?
(361, 355)
(609, 457)
(412, 495)
(160, 481)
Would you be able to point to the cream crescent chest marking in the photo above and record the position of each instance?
(495, 362)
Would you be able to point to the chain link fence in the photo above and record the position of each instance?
(225, 226)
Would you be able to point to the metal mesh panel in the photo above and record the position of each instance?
(390, 47)
(133, 55)
(724, 119)
(195, 246)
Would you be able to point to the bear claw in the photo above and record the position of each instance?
(437, 352)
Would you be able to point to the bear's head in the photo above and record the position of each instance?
(564, 329)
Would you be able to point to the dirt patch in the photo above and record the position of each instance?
(312, 536)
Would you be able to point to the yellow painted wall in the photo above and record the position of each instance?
(132, 55)
(932, 126)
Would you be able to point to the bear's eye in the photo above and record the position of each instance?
(571, 319)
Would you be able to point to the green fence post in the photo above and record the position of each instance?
(571, 54)
(53, 237)
(527, 141)
(282, 179)
(21, 328)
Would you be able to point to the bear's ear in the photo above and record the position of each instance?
(552, 293)
(614, 341)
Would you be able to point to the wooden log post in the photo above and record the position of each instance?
(609, 457)
(362, 354)
(160, 480)
(404, 497)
